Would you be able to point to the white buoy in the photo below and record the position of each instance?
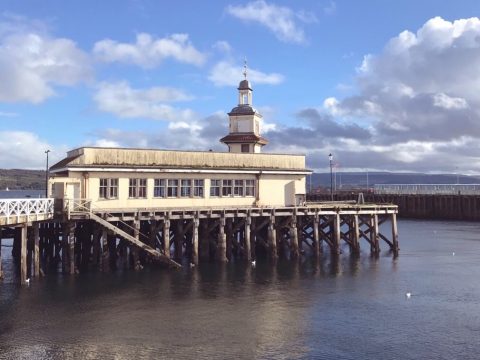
(408, 295)
(254, 263)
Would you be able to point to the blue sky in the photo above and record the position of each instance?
(382, 85)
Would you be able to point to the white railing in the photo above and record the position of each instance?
(15, 208)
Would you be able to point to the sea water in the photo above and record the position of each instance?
(353, 308)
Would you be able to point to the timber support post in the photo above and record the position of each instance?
(36, 249)
(395, 234)
(222, 241)
(272, 237)
(294, 236)
(196, 223)
(23, 254)
(356, 235)
(1, 272)
(246, 237)
(336, 234)
(317, 246)
(166, 236)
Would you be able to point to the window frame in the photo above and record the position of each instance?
(159, 187)
(108, 188)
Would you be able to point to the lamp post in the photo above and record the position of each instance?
(330, 158)
(46, 175)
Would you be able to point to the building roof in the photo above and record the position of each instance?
(244, 109)
(244, 85)
(244, 138)
(85, 158)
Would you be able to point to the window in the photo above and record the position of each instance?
(245, 148)
(137, 188)
(244, 99)
(215, 187)
(198, 188)
(226, 187)
(159, 188)
(172, 188)
(238, 188)
(249, 187)
(108, 189)
(186, 188)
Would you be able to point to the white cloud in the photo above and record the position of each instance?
(281, 20)
(421, 84)
(106, 143)
(149, 52)
(225, 73)
(21, 149)
(33, 63)
(419, 100)
(126, 102)
(444, 101)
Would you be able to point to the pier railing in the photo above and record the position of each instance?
(17, 211)
(427, 189)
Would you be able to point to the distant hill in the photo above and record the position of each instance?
(18, 179)
(355, 179)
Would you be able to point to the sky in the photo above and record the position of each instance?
(381, 85)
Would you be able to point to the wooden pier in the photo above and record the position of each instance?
(79, 239)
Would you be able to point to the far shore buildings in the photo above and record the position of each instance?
(127, 179)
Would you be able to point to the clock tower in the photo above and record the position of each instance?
(244, 128)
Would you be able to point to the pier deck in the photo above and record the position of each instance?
(80, 238)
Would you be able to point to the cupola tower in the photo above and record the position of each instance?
(244, 128)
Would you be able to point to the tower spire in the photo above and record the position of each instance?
(245, 68)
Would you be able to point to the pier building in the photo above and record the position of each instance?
(118, 207)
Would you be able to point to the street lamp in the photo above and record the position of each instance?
(46, 175)
(330, 158)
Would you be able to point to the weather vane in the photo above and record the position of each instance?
(245, 68)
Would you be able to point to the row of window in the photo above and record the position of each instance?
(172, 188)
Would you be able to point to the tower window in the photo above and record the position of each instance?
(244, 99)
(245, 148)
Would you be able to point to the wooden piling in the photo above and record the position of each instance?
(246, 238)
(23, 254)
(272, 237)
(394, 234)
(196, 223)
(1, 271)
(374, 243)
(36, 249)
(316, 236)
(336, 234)
(166, 237)
(356, 235)
(294, 252)
(222, 241)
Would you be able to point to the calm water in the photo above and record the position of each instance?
(18, 194)
(353, 309)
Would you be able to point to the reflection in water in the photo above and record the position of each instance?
(337, 307)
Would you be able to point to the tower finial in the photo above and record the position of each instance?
(245, 68)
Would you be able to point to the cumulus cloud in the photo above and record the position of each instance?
(418, 98)
(33, 63)
(120, 99)
(203, 135)
(280, 20)
(26, 150)
(149, 52)
(225, 73)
